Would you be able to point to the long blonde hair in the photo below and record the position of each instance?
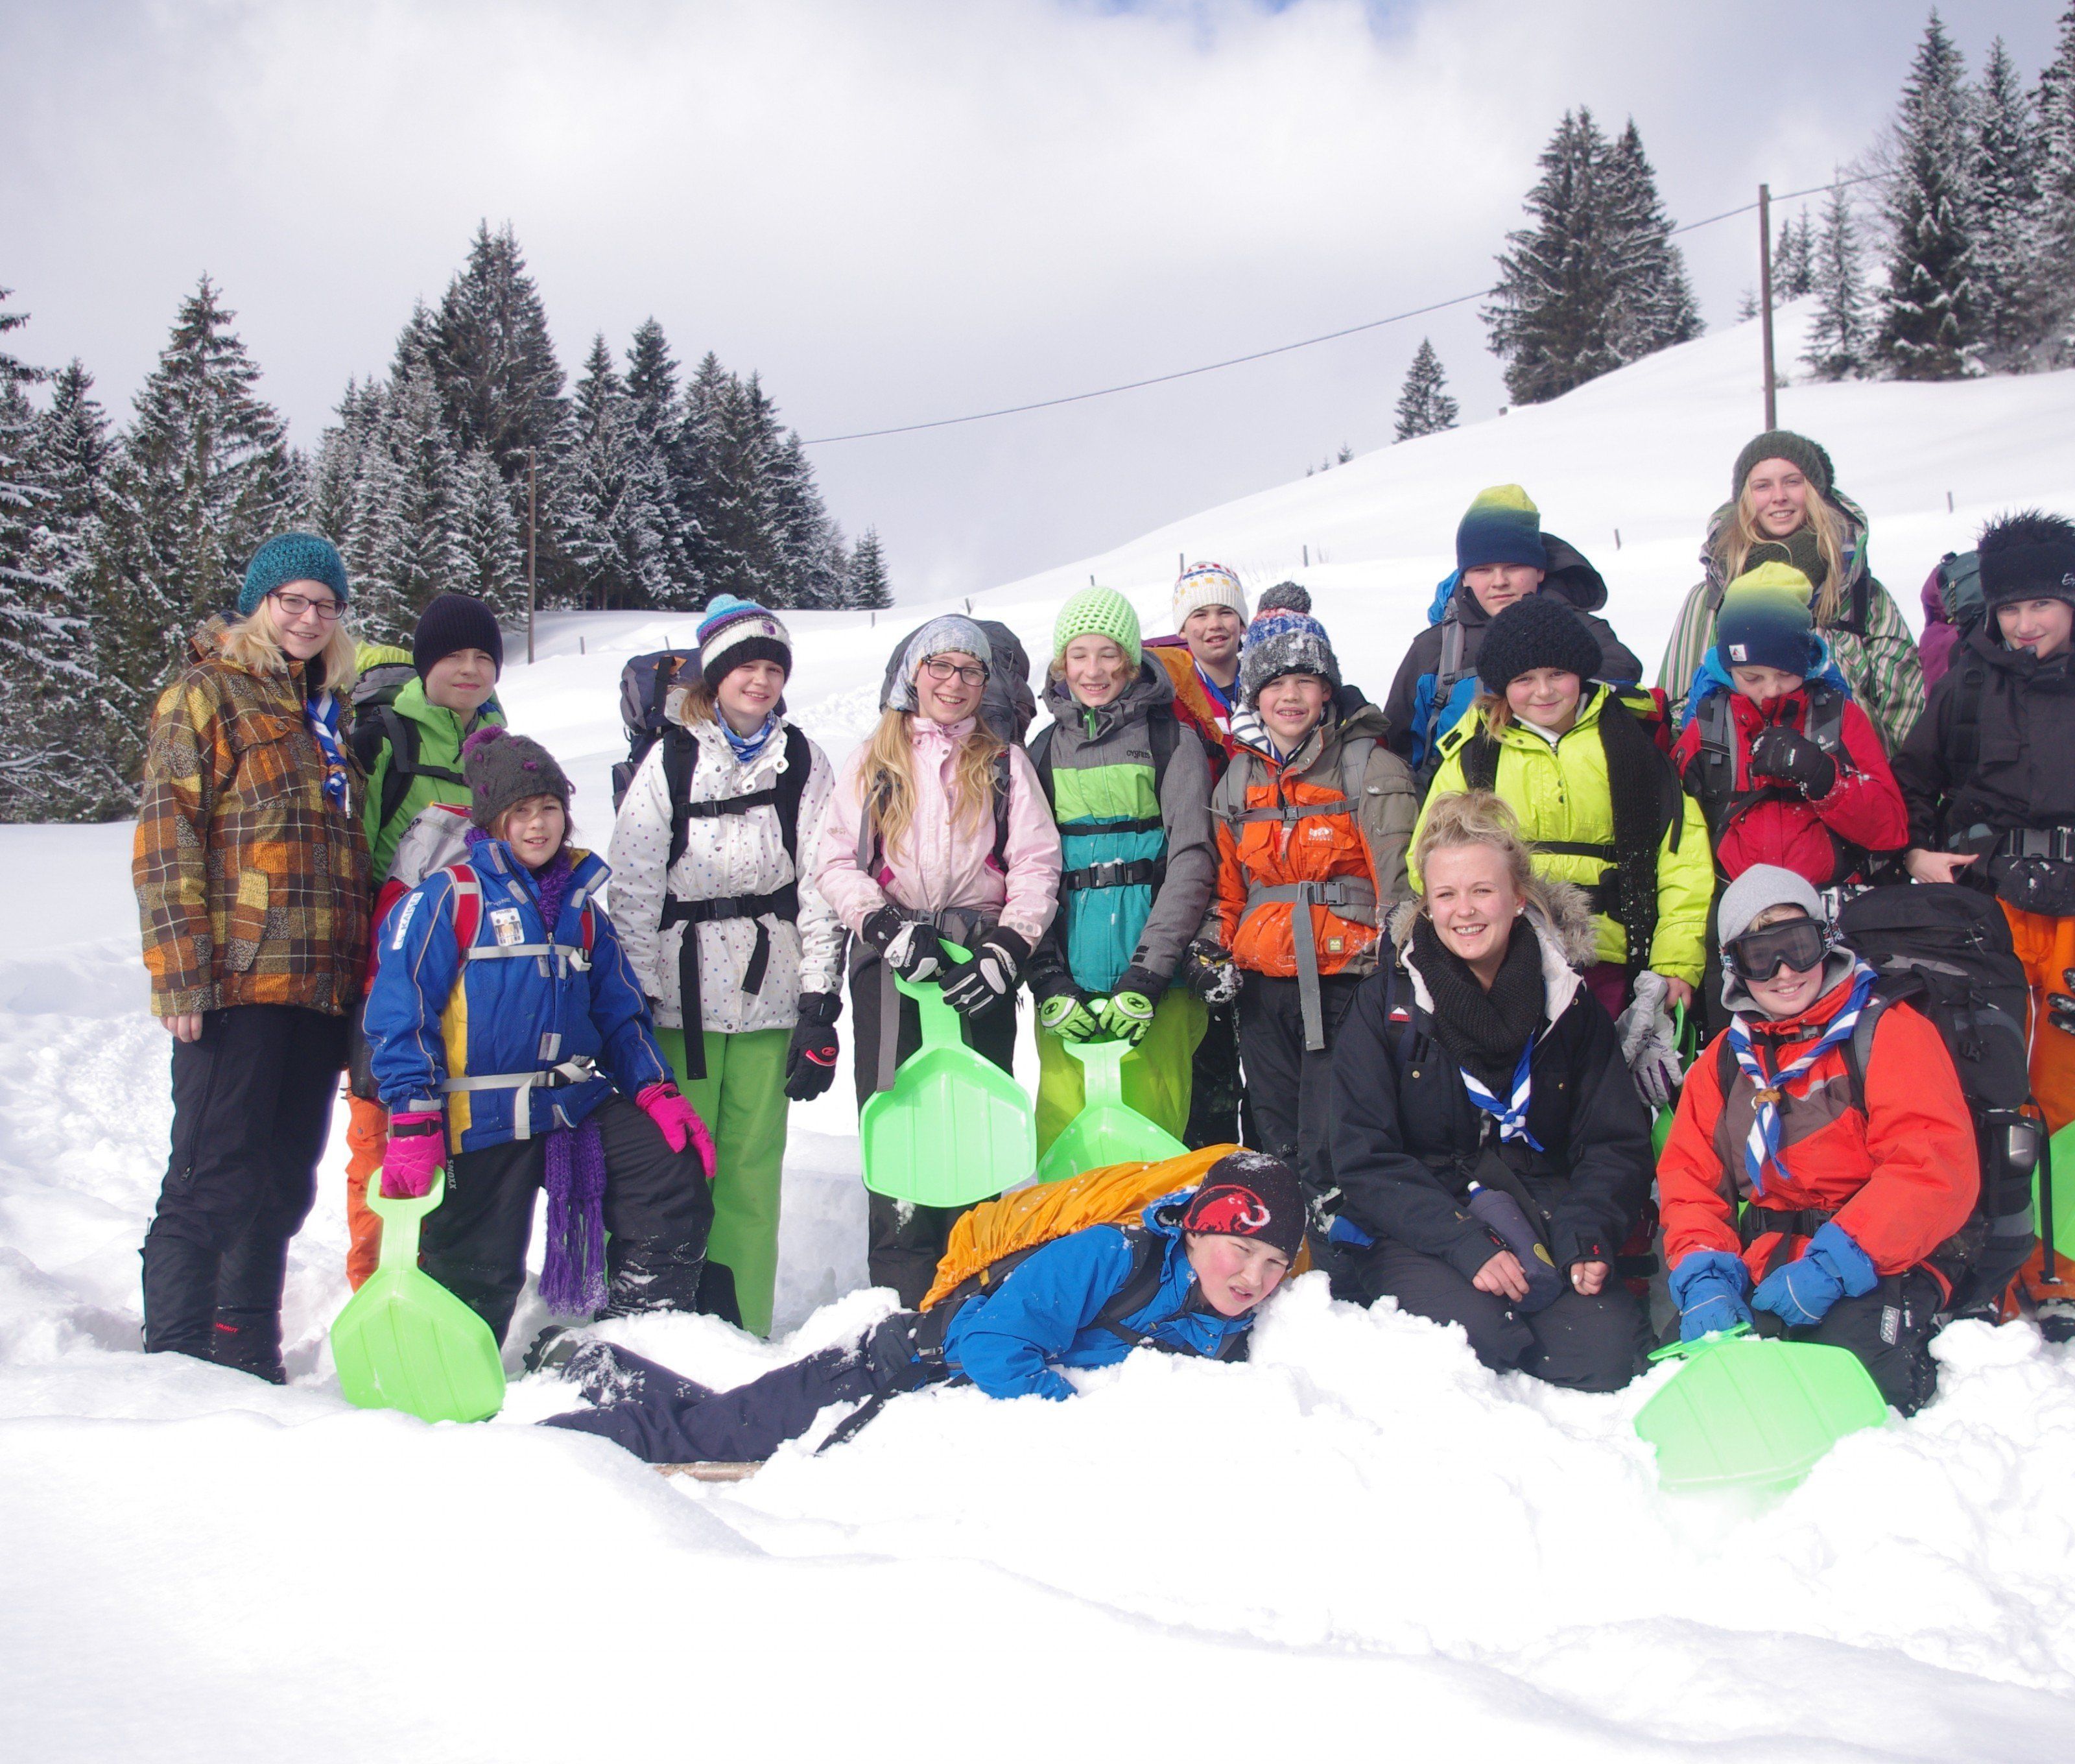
(1475, 818)
(1740, 534)
(886, 780)
(251, 643)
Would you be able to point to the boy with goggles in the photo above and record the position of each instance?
(1804, 1192)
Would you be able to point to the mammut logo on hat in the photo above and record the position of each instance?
(1239, 1211)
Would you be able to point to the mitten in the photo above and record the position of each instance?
(1801, 1294)
(678, 1121)
(1708, 1288)
(1207, 971)
(417, 1147)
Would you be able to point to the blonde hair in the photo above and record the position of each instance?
(1474, 817)
(1742, 535)
(697, 703)
(886, 780)
(252, 643)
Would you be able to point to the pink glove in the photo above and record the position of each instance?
(408, 1164)
(680, 1122)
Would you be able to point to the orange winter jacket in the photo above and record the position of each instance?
(1901, 1176)
(1362, 841)
(1193, 705)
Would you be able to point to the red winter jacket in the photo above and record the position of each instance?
(1864, 807)
(1902, 1176)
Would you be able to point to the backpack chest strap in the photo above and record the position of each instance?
(782, 903)
(1350, 897)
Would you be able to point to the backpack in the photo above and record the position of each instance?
(1711, 774)
(1007, 705)
(1960, 587)
(1163, 729)
(644, 685)
(1946, 951)
(376, 720)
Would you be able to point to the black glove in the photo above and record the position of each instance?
(1207, 971)
(990, 976)
(1786, 756)
(811, 1061)
(912, 948)
(2043, 885)
(2061, 1005)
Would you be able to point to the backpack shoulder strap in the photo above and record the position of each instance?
(680, 760)
(1040, 757)
(1449, 669)
(1003, 782)
(1354, 769)
(1965, 740)
(1480, 753)
(467, 907)
(1142, 1283)
(1163, 729)
(1826, 717)
(1858, 1047)
(792, 786)
(1725, 1066)
(402, 735)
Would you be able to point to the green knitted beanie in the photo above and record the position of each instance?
(1807, 456)
(1098, 612)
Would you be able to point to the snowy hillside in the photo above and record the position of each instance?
(1361, 1542)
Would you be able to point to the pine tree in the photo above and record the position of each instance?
(1550, 321)
(202, 476)
(1838, 339)
(1794, 259)
(734, 438)
(2054, 218)
(33, 632)
(866, 586)
(492, 541)
(2005, 184)
(809, 563)
(403, 541)
(1926, 323)
(334, 475)
(1651, 305)
(612, 504)
(1424, 407)
(499, 380)
(1747, 305)
(652, 379)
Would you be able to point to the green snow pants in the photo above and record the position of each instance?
(1156, 1074)
(742, 1100)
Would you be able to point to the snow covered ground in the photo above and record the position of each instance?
(1361, 1540)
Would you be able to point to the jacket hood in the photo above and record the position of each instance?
(207, 644)
(1567, 571)
(588, 871)
(1712, 678)
(1151, 689)
(1561, 919)
(1838, 968)
(1983, 641)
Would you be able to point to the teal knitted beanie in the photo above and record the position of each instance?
(289, 557)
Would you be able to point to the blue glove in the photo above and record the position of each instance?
(1802, 1293)
(1709, 1288)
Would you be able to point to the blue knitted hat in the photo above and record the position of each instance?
(289, 557)
(1764, 622)
(1501, 526)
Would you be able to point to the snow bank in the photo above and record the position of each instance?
(1362, 1540)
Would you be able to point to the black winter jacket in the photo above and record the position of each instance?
(2024, 776)
(1406, 1137)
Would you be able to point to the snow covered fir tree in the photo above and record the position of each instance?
(1424, 407)
(1838, 339)
(1928, 305)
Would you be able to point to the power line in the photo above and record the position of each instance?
(1280, 349)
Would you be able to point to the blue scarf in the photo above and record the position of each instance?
(322, 712)
(1761, 1144)
(747, 747)
(1511, 1114)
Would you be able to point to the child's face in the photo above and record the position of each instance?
(1762, 685)
(1546, 697)
(1786, 992)
(1778, 497)
(1235, 1273)
(2040, 626)
(1291, 707)
(1096, 668)
(748, 694)
(534, 827)
(1212, 634)
(1496, 586)
(948, 687)
(460, 682)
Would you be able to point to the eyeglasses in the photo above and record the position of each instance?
(293, 606)
(1800, 944)
(971, 672)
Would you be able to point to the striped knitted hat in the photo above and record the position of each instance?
(734, 631)
(1207, 585)
(1501, 526)
(1098, 612)
(1284, 638)
(1765, 622)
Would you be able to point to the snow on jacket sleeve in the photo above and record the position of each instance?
(1926, 1174)
(621, 1014)
(1864, 806)
(1383, 1188)
(1685, 890)
(420, 964)
(1608, 1143)
(1697, 1216)
(639, 856)
(1031, 855)
(821, 935)
(1007, 1342)
(1192, 861)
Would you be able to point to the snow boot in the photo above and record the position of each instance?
(180, 1294)
(249, 1284)
(648, 1278)
(609, 1376)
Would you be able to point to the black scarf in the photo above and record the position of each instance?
(1637, 773)
(1483, 1031)
(1799, 550)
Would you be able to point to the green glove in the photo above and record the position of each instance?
(1126, 1017)
(1067, 1015)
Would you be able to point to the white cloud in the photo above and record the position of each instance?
(905, 209)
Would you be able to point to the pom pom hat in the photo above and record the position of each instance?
(502, 769)
(1284, 638)
(734, 631)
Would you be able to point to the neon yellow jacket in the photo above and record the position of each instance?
(1560, 793)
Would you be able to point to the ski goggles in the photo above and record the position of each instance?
(1800, 944)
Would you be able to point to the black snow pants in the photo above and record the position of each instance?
(657, 1210)
(1218, 1111)
(905, 1242)
(1596, 1343)
(1889, 1329)
(252, 1103)
(1290, 1091)
(663, 1418)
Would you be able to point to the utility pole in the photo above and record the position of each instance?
(1765, 296)
(531, 593)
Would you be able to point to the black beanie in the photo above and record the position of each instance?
(452, 622)
(1249, 1194)
(1543, 630)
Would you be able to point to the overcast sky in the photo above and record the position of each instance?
(898, 210)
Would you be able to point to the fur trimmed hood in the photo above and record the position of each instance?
(1561, 918)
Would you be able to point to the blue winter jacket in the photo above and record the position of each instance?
(1009, 1342)
(431, 1018)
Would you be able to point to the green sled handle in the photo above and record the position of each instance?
(403, 1341)
(940, 1022)
(1753, 1412)
(1686, 1032)
(1107, 1130)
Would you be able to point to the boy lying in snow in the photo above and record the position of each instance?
(1188, 1280)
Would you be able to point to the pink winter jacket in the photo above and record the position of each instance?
(937, 863)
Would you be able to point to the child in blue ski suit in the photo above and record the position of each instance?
(1187, 1281)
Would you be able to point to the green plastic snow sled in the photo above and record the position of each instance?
(1107, 1130)
(403, 1341)
(1747, 1411)
(1687, 1032)
(954, 1128)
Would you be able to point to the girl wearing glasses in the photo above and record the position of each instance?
(936, 829)
(1814, 1172)
(251, 872)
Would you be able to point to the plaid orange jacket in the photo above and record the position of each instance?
(252, 886)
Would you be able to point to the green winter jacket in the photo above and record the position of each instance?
(441, 733)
